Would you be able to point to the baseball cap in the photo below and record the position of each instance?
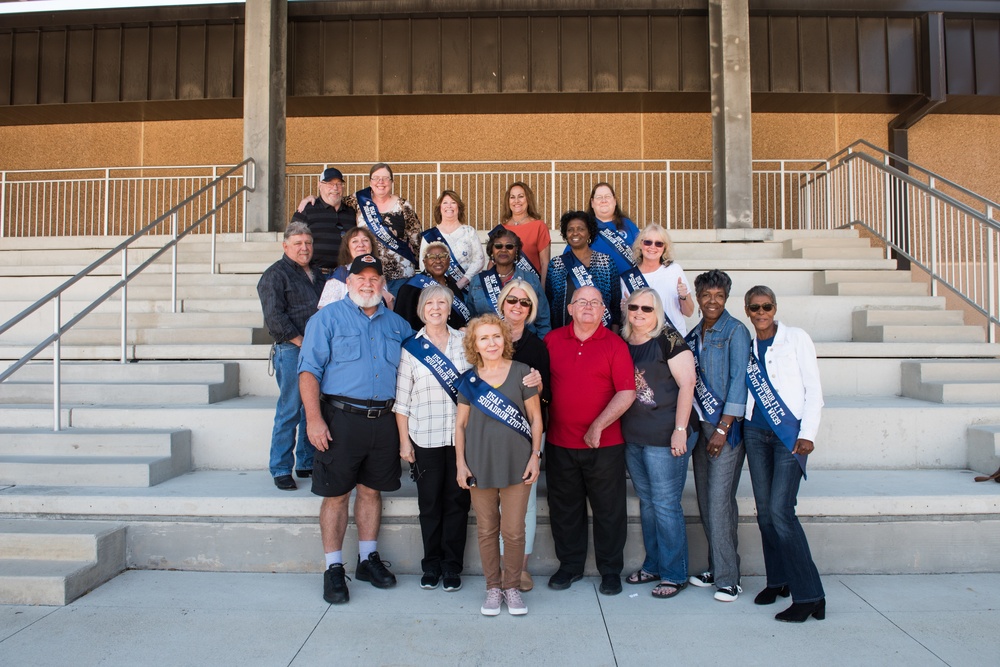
(366, 262)
(331, 173)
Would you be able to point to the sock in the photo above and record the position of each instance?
(334, 557)
(366, 547)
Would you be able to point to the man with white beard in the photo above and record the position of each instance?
(347, 379)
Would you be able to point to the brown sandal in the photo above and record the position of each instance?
(995, 477)
(666, 589)
(640, 576)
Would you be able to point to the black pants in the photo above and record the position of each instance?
(444, 510)
(575, 476)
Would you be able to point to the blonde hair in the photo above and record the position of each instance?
(469, 343)
(661, 319)
(526, 287)
(428, 293)
(668, 246)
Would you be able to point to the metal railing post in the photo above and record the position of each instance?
(107, 198)
(933, 262)
(3, 203)
(781, 190)
(173, 264)
(991, 281)
(56, 360)
(552, 197)
(850, 192)
(438, 179)
(124, 304)
(829, 197)
(215, 217)
(668, 215)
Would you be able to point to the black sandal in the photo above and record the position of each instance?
(658, 590)
(640, 576)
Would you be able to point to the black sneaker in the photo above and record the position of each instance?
(563, 579)
(335, 585)
(285, 483)
(374, 571)
(611, 584)
(430, 580)
(452, 582)
(304, 474)
(703, 580)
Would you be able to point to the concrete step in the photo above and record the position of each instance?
(167, 320)
(909, 317)
(53, 562)
(13, 392)
(984, 448)
(892, 288)
(913, 325)
(831, 277)
(93, 457)
(856, 520)
(794, 244)
(192, 371)
(175, 336)
(851, 252)
(970, 382)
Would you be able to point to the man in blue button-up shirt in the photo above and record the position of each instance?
(347, 378)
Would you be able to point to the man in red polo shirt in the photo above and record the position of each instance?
(593, 384)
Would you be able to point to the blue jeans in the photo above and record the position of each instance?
(658, 478)
(289, 414)
(775, 475)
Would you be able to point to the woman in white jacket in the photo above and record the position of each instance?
(784, 403)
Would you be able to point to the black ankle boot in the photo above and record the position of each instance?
(800, 611)
(770, 594)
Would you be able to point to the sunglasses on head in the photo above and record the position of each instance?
(504, 246)
(515, 299)
(634, 307)
(756, 307)
(649, 242)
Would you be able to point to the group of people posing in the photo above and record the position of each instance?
(392, 342)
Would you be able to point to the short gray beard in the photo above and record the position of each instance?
(362, 302)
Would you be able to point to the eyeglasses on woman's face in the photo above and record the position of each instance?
(633, 307)
(525, 302)
(757, 307)
(503, 246)
(651, 242)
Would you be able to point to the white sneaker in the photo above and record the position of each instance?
(515, 603)
(728, 594)
(703, 580)
(491, 607)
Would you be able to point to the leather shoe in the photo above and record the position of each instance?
(335, 585)
(800, 611)
(285, 483)
(375, 571)
(611, 584)
(770, 594)
(303, 474)
(563, 579)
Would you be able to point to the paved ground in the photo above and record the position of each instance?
(192, 618)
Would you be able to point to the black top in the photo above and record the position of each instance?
(328, 226)
(409, 297)
(650, 419)
(531, 351)
(288, 298)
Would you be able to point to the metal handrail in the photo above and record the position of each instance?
(55, 296)
(944, 233)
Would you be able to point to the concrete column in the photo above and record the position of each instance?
(264, 77)
(732, 150)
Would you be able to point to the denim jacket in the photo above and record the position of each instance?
(725, 351)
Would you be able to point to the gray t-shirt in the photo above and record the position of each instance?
(496, 454)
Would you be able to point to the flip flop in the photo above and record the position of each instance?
(665, 589)
(640, 576)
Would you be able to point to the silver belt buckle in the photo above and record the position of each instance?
(373, 413)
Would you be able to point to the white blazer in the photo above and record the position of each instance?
(794, 374)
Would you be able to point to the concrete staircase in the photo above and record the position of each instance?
(53, 562)
(889, 482)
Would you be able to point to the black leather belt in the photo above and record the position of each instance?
(373, 409)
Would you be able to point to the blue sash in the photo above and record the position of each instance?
(378, 227)
(492, 403)
(782, 421)
(708, 400)
(491, 285)
(617, 243)
(420, 280)
(340, 274)
(634, 280)
(455, 270)
(424, 351)
(523, 262)
(581, 277)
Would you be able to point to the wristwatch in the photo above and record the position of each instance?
(720, 431)
(537, 453)
(683, 429)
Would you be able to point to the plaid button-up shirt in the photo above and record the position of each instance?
(288, 298)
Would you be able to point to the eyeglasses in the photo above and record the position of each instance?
(756, 307)
(632, 307)
(514, 299)
(604, 198)
(593, 303)
(650, 242)
(381, 179)
(436, 255)
(504, 246)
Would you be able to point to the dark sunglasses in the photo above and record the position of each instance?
(514, 299)
(658, 244)
(755, 307)
(504, 246)
(634, 307)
